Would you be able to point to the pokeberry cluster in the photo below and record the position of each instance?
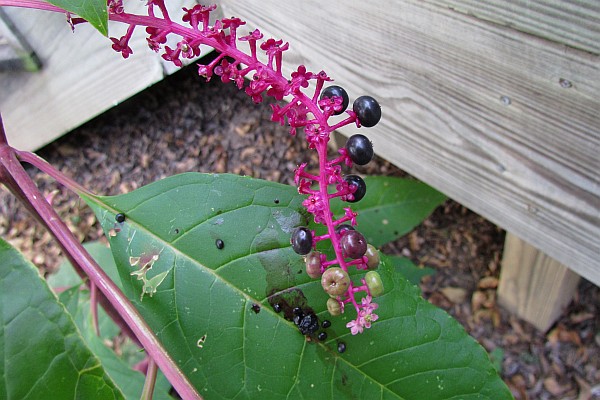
(310, 107)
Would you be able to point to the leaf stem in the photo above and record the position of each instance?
(14, 176)
(150, 381)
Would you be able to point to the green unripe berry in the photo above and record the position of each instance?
(333, 306)
(335, 281)
(372, 257)
(374, 283)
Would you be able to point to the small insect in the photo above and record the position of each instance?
(220, 244)
(341, 347)
(120, 218)
(256, 308)
(326, 324)
(277, 307)
(322, 336)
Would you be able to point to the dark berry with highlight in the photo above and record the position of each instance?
(336, 91)
(360, 149)
(302, 240)
(359, 184)
(367, 110)
(354, 244)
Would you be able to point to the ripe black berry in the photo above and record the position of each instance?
(277, 307)
(326, 324)
(120, 217)
(322, 336)
(337, 91)
(361, 187)
(359, 149)
(340, 229)
(341, 347)
(301, 240)
(367, 110)
(354, 244)
(220, 244)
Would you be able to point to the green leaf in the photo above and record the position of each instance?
(392, 207)
(409, 270)
(77, 301)
(93, 11)
(212, 309)
(41, 350)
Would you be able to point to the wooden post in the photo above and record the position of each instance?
(534, 286)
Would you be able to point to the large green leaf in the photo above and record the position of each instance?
(211, 306)
(42, 354)
(77, 301)
(392, 207)
(93, 11)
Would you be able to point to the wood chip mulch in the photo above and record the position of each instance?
(183, 124)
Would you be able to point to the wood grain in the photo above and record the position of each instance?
(574, 23)
(81, 75)
(504, 122)
(533, 285)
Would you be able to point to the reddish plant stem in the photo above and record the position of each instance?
(16, 179)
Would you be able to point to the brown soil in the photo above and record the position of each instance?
(183, 124)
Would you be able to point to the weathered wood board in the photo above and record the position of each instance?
(505, 122)
(81, 75)
(574, 23)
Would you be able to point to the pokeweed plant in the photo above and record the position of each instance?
(199, 256)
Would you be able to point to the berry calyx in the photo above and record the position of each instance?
(361, 187)
(360, 149)
(374, 283)
(372, 257)
(336, 91)
(335, 281)
(302, 240)
(333, 307)
(367, 110)
(354, 244)
(313, 264)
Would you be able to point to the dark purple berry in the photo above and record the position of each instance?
(326, 324)
(322, 336)
(341, 347)
(360, 149)
(220, 244)
(120, 218)
(340, 229)
(367, 110)
(256, 308)
(297, 311)
(354, 244)
(361, 187)
(336, 91)
(302, 240)
(277, 307)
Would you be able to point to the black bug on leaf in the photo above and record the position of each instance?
(220, 244)
(120, 218)
(256, 308)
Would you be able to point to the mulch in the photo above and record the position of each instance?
(183, 124)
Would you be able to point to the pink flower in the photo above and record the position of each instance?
(253, 36)
(355, 326)
(122, 46)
